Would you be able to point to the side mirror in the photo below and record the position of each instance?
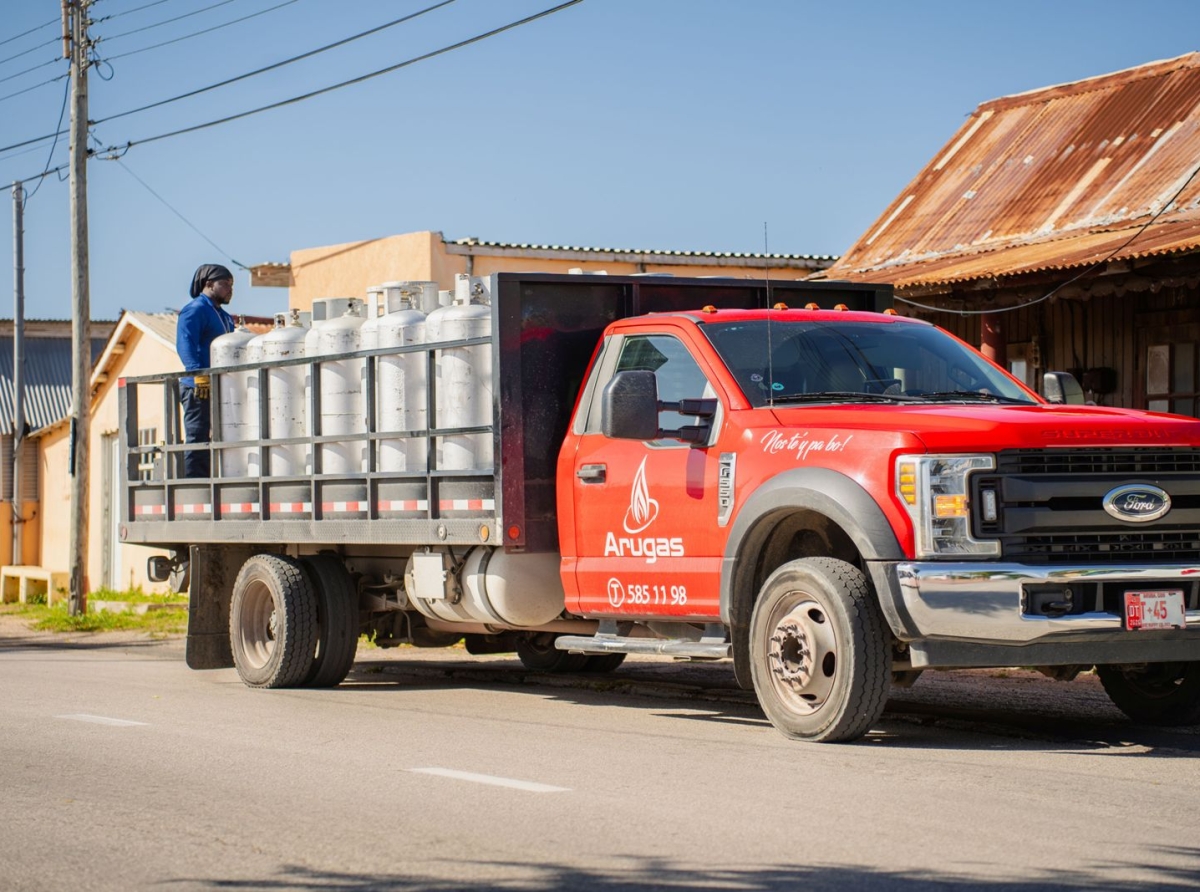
(158, 568)
(629, 406)
(1061, 387)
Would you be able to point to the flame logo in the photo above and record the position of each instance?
(642, 509)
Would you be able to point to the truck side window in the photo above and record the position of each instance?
(677, 373)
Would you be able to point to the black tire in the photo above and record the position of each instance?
(537, 652)
(273, 622)
(819, 651)
(337, 621)
(603, 662)
(1155, 693)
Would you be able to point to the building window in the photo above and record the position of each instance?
(1173, 379)
(29, 469)
(147, 436)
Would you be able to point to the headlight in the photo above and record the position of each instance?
(934, 490)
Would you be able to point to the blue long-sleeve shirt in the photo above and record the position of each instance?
(199, 324)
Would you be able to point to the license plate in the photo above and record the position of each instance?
(1146, 611)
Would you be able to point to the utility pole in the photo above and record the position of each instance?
(18, 520)
(76, 11)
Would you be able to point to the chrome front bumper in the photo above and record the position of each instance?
(983, 601)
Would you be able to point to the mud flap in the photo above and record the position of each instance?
(214, 568)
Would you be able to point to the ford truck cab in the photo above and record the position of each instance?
(844, 499)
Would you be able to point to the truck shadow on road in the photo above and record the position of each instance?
(940, 716)
(627, 874)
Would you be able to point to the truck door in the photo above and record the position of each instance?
(646, 533)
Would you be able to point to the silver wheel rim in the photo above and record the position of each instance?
(258, 624)
(802, 653)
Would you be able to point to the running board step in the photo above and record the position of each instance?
(704, 649)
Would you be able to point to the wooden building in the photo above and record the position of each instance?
(1059, 229)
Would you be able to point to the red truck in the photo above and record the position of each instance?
(787, 475)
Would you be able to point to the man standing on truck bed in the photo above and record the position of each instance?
(200, 323)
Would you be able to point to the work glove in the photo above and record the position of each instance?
(203, 383)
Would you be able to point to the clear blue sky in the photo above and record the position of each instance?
(659, 124)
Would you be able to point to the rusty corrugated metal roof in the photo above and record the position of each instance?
(1054, 178)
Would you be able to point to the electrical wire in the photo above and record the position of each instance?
(275, 65)
(176, 212)
(119, 151)
(62, 111)
(30, 31)
(27, 70)
(1095, 266)
(32, 49)
(34, 87)
(177, 18)
(117, 15)
(243, 76)
(41, 176)
(155, 46)
(357, 80)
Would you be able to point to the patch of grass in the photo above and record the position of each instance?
(156, 623)
(136, 596)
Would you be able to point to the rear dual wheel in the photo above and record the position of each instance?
(273, 622)
(537, 652)
(293, 623)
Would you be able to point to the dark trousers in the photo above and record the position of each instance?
(196, 419)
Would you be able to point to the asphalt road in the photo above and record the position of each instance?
(122, 769)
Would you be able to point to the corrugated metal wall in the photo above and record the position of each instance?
(1111, 332)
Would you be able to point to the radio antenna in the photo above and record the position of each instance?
(770, 351)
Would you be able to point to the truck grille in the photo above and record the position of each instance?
(1050, 506)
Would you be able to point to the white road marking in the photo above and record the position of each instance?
(100, 720)
(528, 786)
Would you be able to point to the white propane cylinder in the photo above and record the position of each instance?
(464, 376)
(323, 309)
(342, 393)
(285, 392)
(239, 415)
(399, 380)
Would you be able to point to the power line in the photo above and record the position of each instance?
(27, 70)
(34, 87)
(117, 15)
(119, 151)
(50, 157)
(357, 80)
(32, 49)
(155, 46)
(30, 31)
(177, 18)
(188, 222)
(275, 65)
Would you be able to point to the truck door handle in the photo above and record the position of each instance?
(591, 473)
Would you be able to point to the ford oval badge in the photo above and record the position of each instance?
(1137, 503)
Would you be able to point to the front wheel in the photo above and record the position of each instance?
(1155, 693)
(273, 622)
(819, 653)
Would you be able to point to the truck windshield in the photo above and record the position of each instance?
(816, 361)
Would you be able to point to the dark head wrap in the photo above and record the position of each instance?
(209, 272)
